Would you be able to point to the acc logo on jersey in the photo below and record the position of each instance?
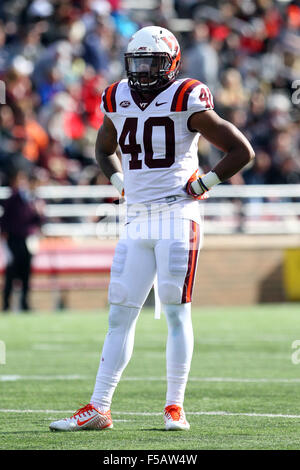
(125, 104)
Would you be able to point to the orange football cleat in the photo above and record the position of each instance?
(174, 419)
(87, 417)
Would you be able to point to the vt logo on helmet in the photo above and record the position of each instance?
(152, 59)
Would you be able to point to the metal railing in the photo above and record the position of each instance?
(252, 209)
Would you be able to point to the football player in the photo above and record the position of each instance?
(156, 120)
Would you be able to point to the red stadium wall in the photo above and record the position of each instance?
(240, 270)
(232, 270)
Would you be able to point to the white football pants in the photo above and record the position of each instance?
(139, 255)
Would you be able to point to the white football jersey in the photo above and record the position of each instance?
(159, 150)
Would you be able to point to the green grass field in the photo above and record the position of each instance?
(243, 391)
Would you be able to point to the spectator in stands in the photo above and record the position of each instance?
(12, 141)
(261, 172)
(201, 59)
(232, 93)
(56, 57)
(21, 221)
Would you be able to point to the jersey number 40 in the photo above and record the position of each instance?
(134, 149)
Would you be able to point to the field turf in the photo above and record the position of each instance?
(243, 391)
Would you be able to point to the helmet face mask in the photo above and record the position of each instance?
(152, 59)
(148, 71)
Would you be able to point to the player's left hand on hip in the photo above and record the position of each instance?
(196, 188)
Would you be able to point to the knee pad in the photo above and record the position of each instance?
(117, 293)
(169, 293)
(120, 294)
(122, 317)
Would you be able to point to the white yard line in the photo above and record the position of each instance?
(140, 413)
(219, 379)
(14, 378)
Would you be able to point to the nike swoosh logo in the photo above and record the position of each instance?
(159, 104)
(81, 423)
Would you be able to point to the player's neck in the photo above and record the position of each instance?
(147, 96)
(150, 95)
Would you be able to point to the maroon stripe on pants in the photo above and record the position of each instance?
(192, 263)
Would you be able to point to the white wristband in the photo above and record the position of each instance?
(117, 180)
(210, 179)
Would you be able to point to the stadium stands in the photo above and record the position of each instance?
(56, 58)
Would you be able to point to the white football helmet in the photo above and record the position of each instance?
(152, 59)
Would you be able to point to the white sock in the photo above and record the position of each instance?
(116, 353)
(180, 345)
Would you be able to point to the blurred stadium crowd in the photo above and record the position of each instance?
(57, 56)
